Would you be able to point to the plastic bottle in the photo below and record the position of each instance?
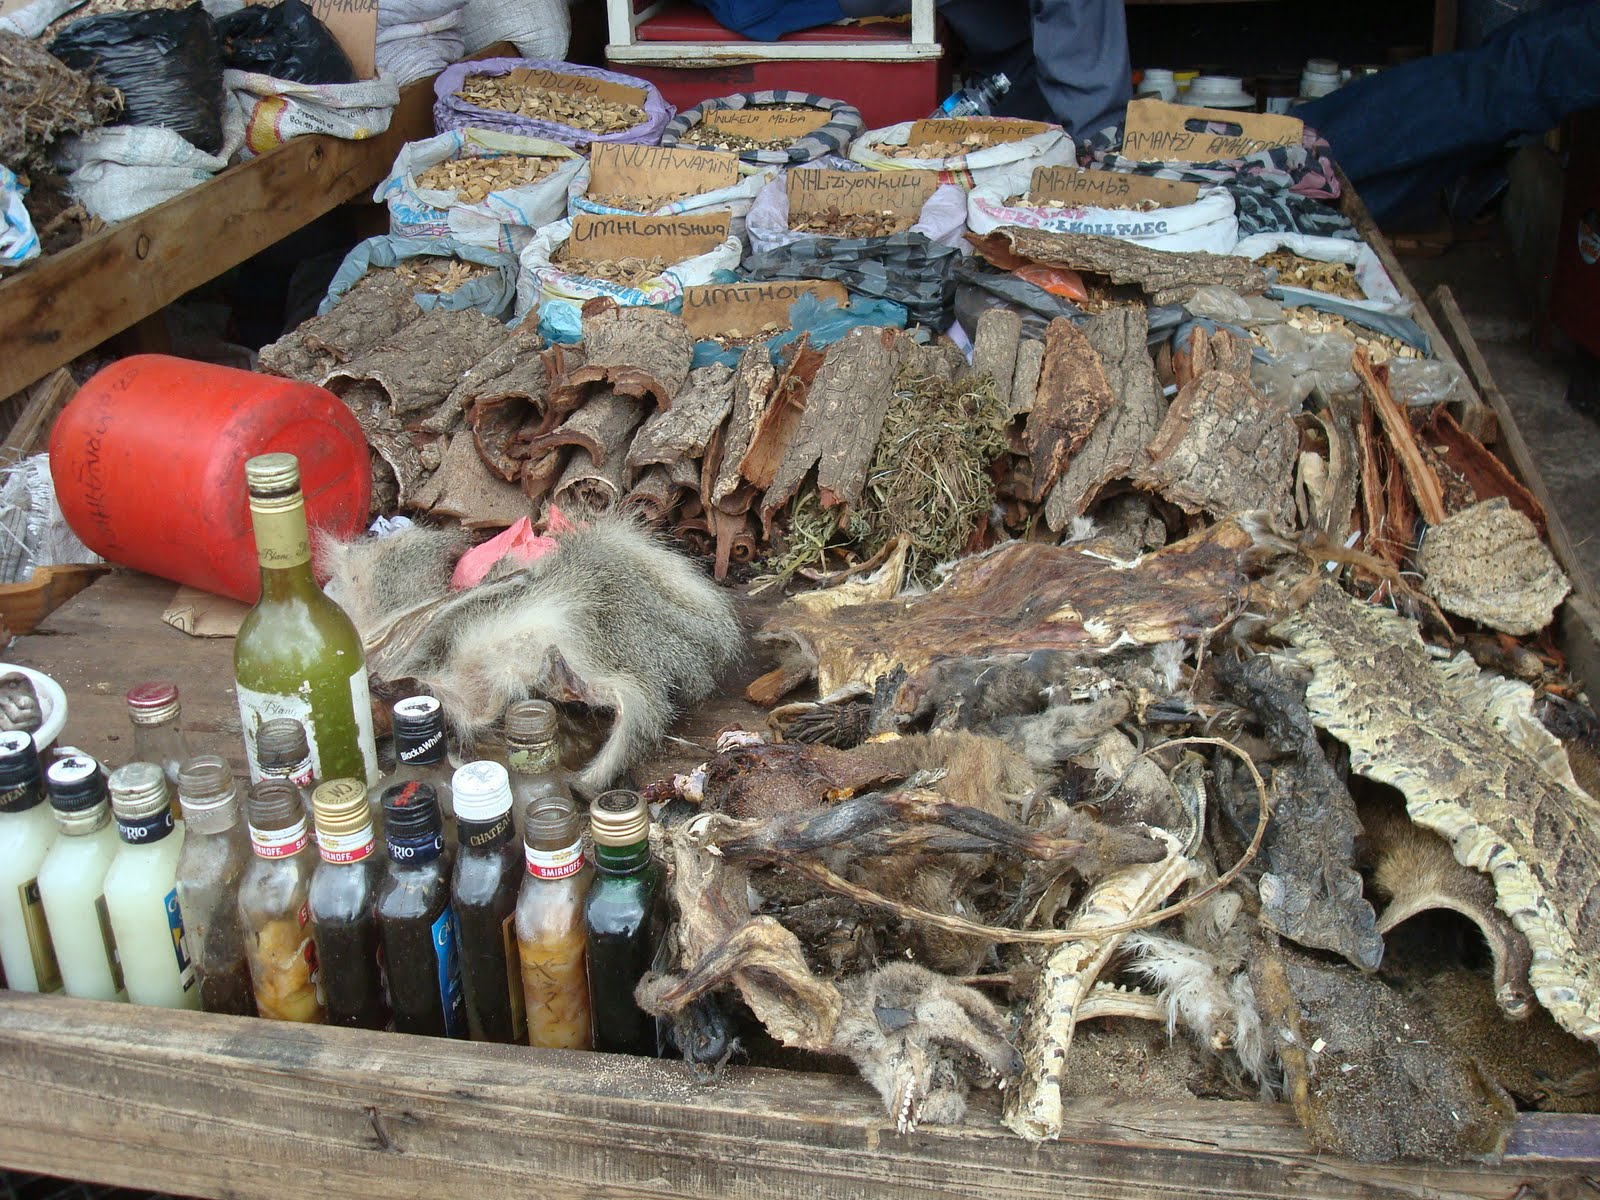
(142, 890)
(72, 880)
(974, 100)
(147, 460)
(273, 909)
(27, 830)
(216, 851)
(488, 874)
(297, 654)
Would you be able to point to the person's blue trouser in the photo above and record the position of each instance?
(1403, 134)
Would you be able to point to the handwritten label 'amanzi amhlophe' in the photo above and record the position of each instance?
(1161, 132)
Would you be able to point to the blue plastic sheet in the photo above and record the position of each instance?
(823, 321)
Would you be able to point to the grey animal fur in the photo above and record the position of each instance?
(375, 579)
(612, 618)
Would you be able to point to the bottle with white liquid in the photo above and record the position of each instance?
(142, 890)
(26, 832)
(72, 880)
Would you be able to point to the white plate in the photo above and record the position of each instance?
(52, 700)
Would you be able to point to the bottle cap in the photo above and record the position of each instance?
(273, 804)
(531, 721)
(19, 759)
(153, 703)
(619, 818)
(1322, 66)
(555, 824)
(281, 744)
(76, 784)
(205, 783)
(139, 790)
(482, 791)
(272, 476)
(410, 810)
(419, 730)
(340, 808)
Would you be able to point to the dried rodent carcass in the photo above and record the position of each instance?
(611, 619)
(377, 579)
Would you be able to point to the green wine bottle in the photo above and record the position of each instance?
(297, 654)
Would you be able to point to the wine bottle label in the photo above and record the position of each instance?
(281, 538)
(302, 774)
(346, 847)
(448, 957)
(46, 973)
(141, 831)
(175, 925)
(361, 705)
(555, 864)
(519, 1001)
(256, 708)
(280, 843)
(416, 850)
(108, 940)
(475, 835)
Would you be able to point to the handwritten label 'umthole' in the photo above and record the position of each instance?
(747, 309)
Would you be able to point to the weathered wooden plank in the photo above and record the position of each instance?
(72, 301)
(214, 1106)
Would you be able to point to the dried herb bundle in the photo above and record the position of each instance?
(42, 98)
(545, 104)
(472, 179)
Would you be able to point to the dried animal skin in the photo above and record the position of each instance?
(1414, 868)
(1034, 1109)
(1489, 564)
(1311, 892)
(1368, 1076)
(473, 177)
(1406, 724)
(1224, 449)
(1016, 598)
(580, 111)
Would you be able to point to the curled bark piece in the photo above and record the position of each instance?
(1166, 276)
(1419, 476)
(684, 430)
(463, 487)
(776, 427)
(752, 393)
(376, 308)
(653, 496)
(587, 488)
(1482, 470)
(1025, 382)
(1073, 395)
(838, 428)
(420, 368)
(1223, 449)
(994, 350)
(601, 428)
(1369, 1076)
(1488, 563)
(1116, 443)
(540, 474)
(1034, 1108)
(736, 541)
(634, 350)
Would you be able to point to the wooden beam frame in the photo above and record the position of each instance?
(225, 1106)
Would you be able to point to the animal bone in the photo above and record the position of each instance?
(1035, 1109)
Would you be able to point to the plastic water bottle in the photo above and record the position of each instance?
(976, 99)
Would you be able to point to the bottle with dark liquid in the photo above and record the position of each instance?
(551, 933)
(484, 898)
(344, 907)
(533, 756)
(272, 905)
(414, 918)
(621, 918)
(216, 850)
(420, 754)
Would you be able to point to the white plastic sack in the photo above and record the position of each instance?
(33, 531)
(18, 241)
(119, 171)
(736, 199)
(538, 28)
(546, 286)
(31, 20)
(1381, 294)
(1209, 225)
(276, 110)
(503, 220)
(1006, 164)
(407, 52)
(943, 218)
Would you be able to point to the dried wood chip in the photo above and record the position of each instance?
(1073, 395)
(439, 276)
(504, 94)
(626, 271)
(1334, 278)
(994, 350)
(702, 137)
(834, 222)
(639, 203)
(473, 177)
(1419, 476)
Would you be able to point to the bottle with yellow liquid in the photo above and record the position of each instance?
(297, 654)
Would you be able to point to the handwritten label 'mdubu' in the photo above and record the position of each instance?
(581, 85)
(1161, 132)
(860, 191)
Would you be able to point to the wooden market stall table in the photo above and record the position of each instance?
(69, 302)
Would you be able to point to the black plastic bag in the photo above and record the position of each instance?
(166, 63)
(908, 268)
(286, 41)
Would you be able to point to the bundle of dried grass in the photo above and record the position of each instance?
(42, 98)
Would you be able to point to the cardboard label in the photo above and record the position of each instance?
(626, 170)
(582, 85)
(671, 239)
(354, 25)
(860, 191)
(747, 309)
(1161, 132)
(1108, 189)
(971, 131)
(763, 124)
